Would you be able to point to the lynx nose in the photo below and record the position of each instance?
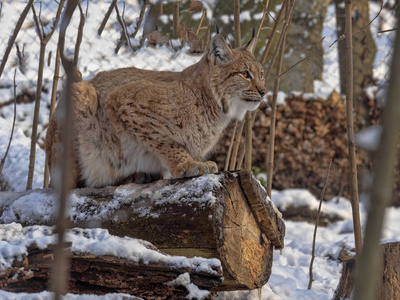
(262, 92)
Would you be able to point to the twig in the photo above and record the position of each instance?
(293, 66)
(14, 35)
(37, 23)
(52, 107)
(343, 36)
(232, 164)
(79, 36)
(43, 42)
(228, 155)
(388, 30)
(282, 38)
(236, 137)
(271, 145)
(3, 160)
(350, 131)
(60, 276)
(271, 37)
(242, 153)
(141, 16)
(49, 58)
(201, 21)
(106, 17)
(328, 172)
(384, 165)
(262, 19)
(123, 27)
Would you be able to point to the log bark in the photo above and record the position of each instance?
(225, 216)
(389, 277)
(93, 274)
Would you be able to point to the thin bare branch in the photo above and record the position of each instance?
(350, 130)
(248, 141)
(106, 17)
(201, 22)
(123, 27)
(79, 35)
(14, 35)
(293, 66)
(37, 24)
(3, 160)
(288, 7)
(139, 23)
(328, 172)
(262, 19)
(232, 164)
(176, 20)
(271, 37)
(38, 95)
(228, 155)
(52, 107)
(343, 37)
(388, 30)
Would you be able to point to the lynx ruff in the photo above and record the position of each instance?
(131, 121)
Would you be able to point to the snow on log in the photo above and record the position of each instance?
(226, 216)
(101, 263)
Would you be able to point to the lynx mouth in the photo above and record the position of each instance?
(253, 100)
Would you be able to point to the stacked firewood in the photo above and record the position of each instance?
(309, 133)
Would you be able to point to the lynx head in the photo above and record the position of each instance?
(237, 78)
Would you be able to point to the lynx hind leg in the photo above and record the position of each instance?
(194, 168)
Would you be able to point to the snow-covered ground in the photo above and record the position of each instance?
(289, 277)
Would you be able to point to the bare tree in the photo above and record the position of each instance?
(380, 195)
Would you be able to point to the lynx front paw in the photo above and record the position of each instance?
(194, 168)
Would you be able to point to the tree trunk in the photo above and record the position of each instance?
(364, 51)
(304, 32)
(389, 277)
(226, 216)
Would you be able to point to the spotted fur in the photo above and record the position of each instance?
(129, 121)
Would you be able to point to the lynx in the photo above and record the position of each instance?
(131, 121)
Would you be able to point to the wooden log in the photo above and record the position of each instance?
(225, 216)
(389, 280)
(95, 274)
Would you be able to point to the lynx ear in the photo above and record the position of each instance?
(219, 50)
(251, 45)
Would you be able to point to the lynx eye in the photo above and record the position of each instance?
(246, 74)
(262, 75)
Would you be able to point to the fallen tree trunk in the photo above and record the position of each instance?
(165, 278)
(389, 280)
(225, 216)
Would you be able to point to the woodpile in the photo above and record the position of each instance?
(309, 132)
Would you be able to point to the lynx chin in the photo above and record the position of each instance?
(131, 121)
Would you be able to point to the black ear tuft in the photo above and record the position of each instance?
(253, 33)
(216, 27)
